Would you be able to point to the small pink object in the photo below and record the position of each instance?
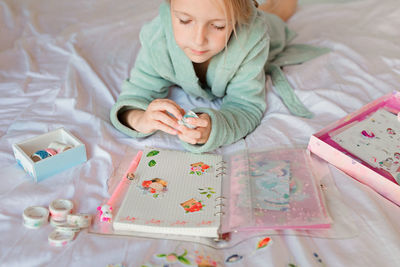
(369, 135)
(105, 213)
(51, 151)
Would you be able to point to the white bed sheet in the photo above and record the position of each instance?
(61, 65)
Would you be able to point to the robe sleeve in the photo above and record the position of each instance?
(143, 86)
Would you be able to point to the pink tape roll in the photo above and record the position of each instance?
(51, 151)
(60, 208)
(59, 238)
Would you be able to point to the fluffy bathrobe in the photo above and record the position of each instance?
(236, 74)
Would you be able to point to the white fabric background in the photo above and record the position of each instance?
(62, 64)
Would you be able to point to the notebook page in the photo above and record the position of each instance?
(174, 192)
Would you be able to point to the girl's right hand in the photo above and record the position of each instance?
(156, 117)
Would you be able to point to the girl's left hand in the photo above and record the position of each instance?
(198, 135)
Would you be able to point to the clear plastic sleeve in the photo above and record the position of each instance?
(276, 190)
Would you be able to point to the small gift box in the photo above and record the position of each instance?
(49, 153)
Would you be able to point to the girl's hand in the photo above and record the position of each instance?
(198, 135)
(156, 117)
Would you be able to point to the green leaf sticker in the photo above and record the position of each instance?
(208, 191)
(184, 260)
(152, 153)
(152, 163)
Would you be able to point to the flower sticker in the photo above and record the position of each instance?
(173, 257)
(155, 186)
(192, 205)
(198, 168)
(205, 260)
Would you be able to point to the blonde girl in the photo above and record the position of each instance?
(211, 49)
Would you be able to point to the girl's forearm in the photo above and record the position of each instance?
(131, 117)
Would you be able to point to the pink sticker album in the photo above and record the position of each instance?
(366, 145)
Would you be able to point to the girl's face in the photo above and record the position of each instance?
(200, 28)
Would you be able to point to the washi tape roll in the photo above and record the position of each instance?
(39, 155)
(183, 121)
(60, 208)
(51, 151)
(35, 217)
(56, 223)
(81, 220)
(58, 146)
(68, 227)
(59, 238)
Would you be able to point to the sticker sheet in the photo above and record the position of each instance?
(270, 184)
(375, 140)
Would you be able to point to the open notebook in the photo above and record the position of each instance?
(173, 192)
(206, 195)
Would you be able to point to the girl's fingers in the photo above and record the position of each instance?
(166, 119)
(190, 133)
(165, 128)
(198, 122)
(169, 106)
(187, 139)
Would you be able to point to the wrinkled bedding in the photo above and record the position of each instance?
(62, 64)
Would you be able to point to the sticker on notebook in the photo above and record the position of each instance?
(152, 153)
(207, 191)
(192, 205)
(198, 168)
(368, 134)
(156, 187)
(390, 131)
(152, 163)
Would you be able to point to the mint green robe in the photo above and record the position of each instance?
(236, 74)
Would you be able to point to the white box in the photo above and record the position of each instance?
(51, 165)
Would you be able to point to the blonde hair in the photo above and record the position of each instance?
(237, 12)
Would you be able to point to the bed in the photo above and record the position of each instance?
(62, 64)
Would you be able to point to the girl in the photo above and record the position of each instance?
(212, 49)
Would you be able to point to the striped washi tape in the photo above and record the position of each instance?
(35, 217)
